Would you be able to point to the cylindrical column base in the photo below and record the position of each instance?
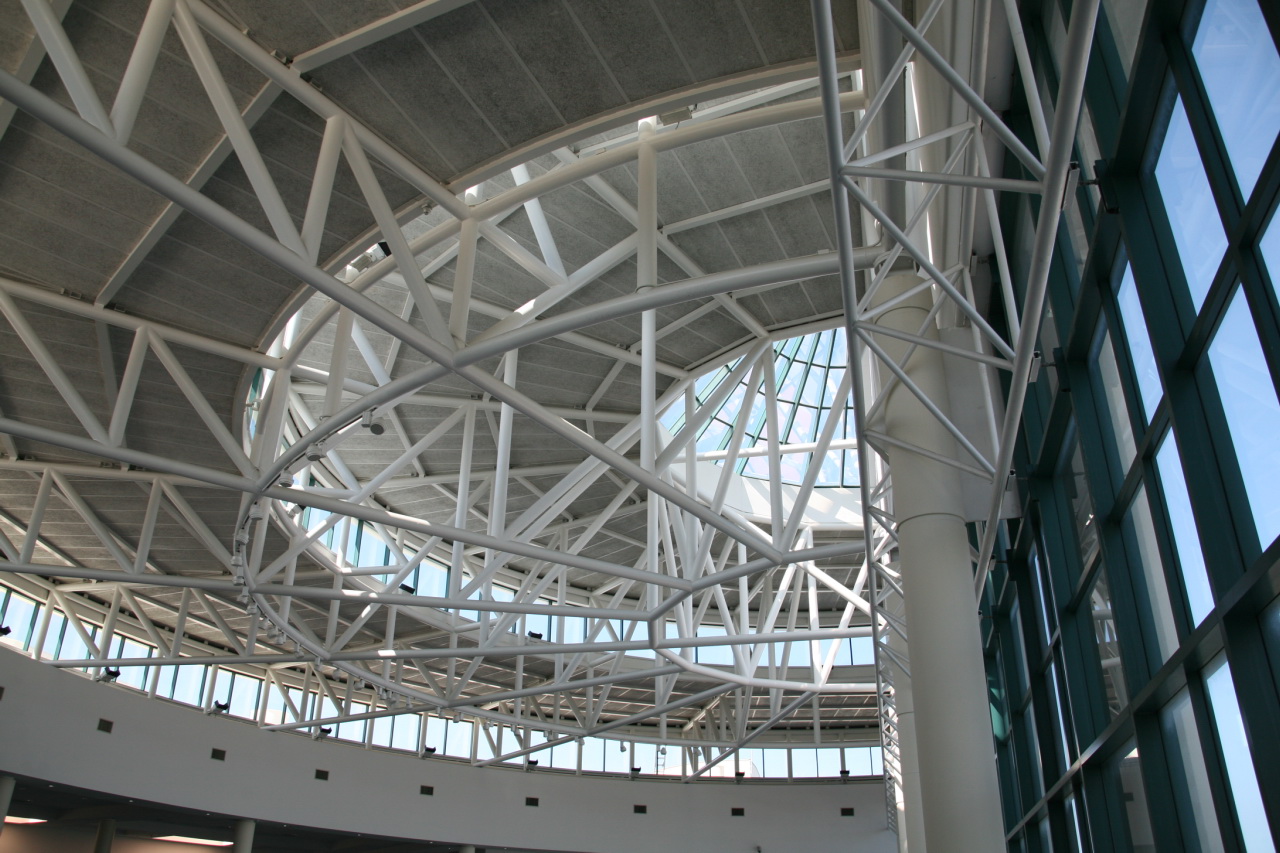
(7, 784)
(244, 835)
(106, 836)
(911, 837)
(959, 791)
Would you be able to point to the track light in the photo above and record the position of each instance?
(535, 635)
(429, 750)
(325, 731)
(109, 675)
(404, 587)
(5, 630)
(370, 424)
(221, 707)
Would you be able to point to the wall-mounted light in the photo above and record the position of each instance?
(186, 839)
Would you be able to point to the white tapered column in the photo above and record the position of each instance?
(959, 791)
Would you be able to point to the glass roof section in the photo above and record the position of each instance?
(807, 373)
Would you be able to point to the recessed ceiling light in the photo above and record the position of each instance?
(12, 819)
(183, 839)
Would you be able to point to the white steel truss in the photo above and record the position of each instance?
(966, 171)
(627, 587)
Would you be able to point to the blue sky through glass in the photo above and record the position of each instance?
(1235, 752)
(1241, 72)
(1197, 230)
(808, 371)
(1252, 412)
(1140, 353)
(1190, 557)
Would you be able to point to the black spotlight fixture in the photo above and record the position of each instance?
(535, 635)
(429, 750)
(221, 707)
(370, 424)
(325, 731)
(404, 587)
(5, 630)
(109, 675)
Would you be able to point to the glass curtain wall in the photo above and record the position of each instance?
(1134, 625)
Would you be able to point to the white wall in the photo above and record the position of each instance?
(159, 751)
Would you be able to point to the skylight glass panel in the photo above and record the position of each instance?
(807, 371)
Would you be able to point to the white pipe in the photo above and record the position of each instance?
(133, 85)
